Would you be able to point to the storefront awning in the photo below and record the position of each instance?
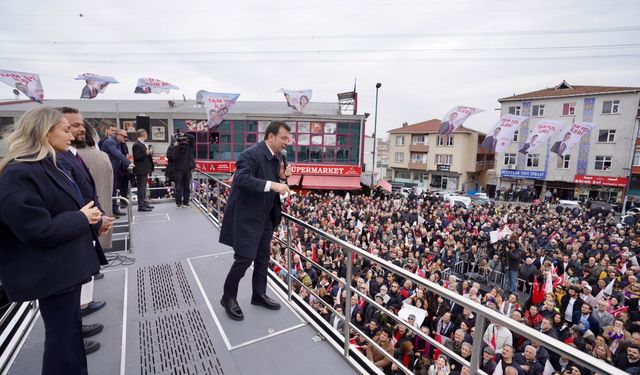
(331, 183)
(294, 180)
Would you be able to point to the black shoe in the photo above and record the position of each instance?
(92, 307)
(98, 276)
(144, 209)
(91, 346)
(232, 308)
(265, 301)
(149, 206)
(178, 205)
(186, 205)
(119, 213)
(91, 329)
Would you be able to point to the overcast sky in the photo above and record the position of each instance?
(428, 55)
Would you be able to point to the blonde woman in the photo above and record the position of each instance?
(47, 250)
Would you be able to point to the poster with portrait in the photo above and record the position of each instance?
(501, 134)
(195, 125)
(303, 139)
(303, 127)
(217, 106)
(540, 134)
(94, 84)
(567, 139)
(153, 86)
(158, 133)
(292, 139)
(330, 140)
(455, 118)
(297, 99)
(316, 140)
(317, 127)
(330, 127)
(27, 83)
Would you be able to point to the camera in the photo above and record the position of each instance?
(180, 138)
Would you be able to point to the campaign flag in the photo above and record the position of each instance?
(94, 84)
(548, 288)
(418, 313)
(455, 117)
(297, 99)
(27, 83)
(500, 234)
(542, 132)
(538, 295)
(217, 106)
(501, 134)
(152, 85)
(571, 137)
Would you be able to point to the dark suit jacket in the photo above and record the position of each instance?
(83, 178)
(556, 147)
(249, 208)
(142, 161)
(88, 92)
(487, 144)
(445, 128)
(564, 303)
(594, 324)
(46, 240)
(119, 161)
(525, 148)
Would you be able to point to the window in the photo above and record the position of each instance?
(538, 110)
(563, 162)
(402, 174)
(515, 136)
(636, 159)
(533, 160)
(440, 141)
(444, 159)
(399, 140)
(419, 158)
(450, 141)
(399, 157)
(515, 110)
(611, 106)
(418, 140)
(603, 163)
(569, 109)
(607, 136)
(509, 159)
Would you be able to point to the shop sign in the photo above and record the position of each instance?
(585, 179)
(516, 173)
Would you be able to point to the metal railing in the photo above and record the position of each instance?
(483, 314)
(490, 276)
(14, 326)
(126, 235)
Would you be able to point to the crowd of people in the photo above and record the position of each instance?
(579, 270)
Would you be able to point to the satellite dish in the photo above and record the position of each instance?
(16, 92)
(172, 103)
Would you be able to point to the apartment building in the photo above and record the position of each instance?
(418, 156)
(596, 168)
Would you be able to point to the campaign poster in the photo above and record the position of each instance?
(217, 106)
(297, 99)
(455, 118)
(569, 138)
(27, 83)
(153, 86)
(94, 84)
(540, 134)
(501, 134)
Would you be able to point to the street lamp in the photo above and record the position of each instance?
(375, 129)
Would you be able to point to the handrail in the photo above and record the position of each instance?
(127, 235)
(482, 312)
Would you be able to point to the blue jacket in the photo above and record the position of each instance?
(119, 161)
(249, 206)
(46, 241)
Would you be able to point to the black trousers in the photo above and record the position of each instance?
(141, 185)
(183, 186)
(63, 345)
(260, 265)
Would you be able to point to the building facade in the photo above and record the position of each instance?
(325, 152)
(418, 156)
(598, 167)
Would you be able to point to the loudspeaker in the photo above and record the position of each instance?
(143, 122)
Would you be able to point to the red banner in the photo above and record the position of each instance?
(585, 179)
(211, 166)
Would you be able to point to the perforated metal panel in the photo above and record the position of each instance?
(172, 335)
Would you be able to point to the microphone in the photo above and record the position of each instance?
(283, 153)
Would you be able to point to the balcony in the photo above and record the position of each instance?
(420, 166)
(484, 165)
(419, 148)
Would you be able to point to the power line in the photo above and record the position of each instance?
(339, 36)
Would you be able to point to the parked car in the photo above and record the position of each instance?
(482, 200)
(599, 207)
(574, 206)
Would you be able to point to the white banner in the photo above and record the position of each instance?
(152, 85)
(94, 84)
(542, 132)
(501, 135)
(297, 99)
(455, 117)
(27, 83)
(570, 138)
(217, 106)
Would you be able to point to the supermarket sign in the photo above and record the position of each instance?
(585, 179)
(210, 166)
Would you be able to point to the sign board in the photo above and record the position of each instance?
(443, 167)
(585, 179)
(516, 173)
(212, 166)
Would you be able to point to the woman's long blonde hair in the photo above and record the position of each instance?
(28, 140)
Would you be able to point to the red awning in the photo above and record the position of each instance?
(294, 180)
(385, 185)
(331, 183)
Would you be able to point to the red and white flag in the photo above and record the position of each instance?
(26, 83)
(217, 106)
(153, 86)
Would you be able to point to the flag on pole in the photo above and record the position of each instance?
(608, 290)
(27, 83)
(537, 295)
(501, 135)
(549, 284)
(217, 106)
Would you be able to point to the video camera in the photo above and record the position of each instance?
(180, 138)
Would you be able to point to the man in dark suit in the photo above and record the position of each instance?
(447, 127)
(491, 141)
(119, 162)
(251, 215)
(561, 146)
(525, 148)
(142, 158)
(89, 91)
